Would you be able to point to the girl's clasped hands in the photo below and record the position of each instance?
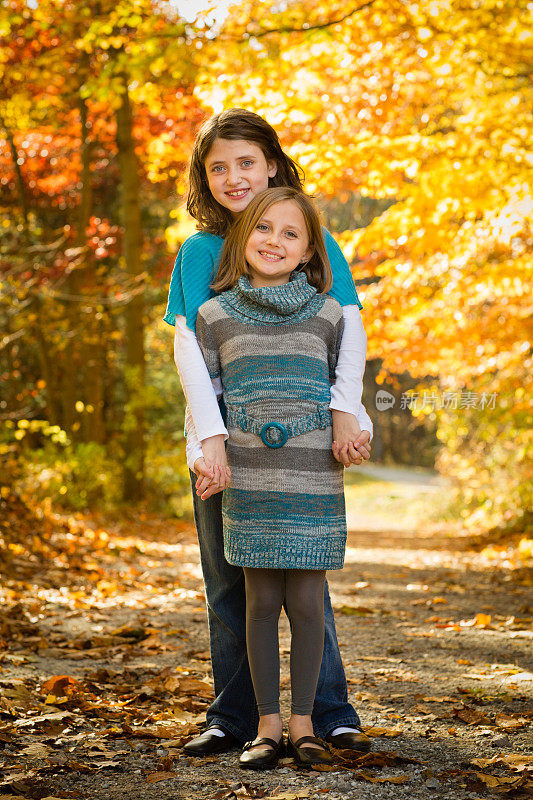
(350, 446)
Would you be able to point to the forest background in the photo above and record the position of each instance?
(412, 123)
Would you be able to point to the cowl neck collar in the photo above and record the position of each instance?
(296, 299)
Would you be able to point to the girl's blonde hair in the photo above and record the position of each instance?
(233, 263)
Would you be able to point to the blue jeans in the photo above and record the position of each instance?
(235, 707)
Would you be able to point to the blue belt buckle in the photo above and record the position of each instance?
(278, 427)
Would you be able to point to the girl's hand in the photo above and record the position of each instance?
(202, 470)
(206, 486)
(351, 445)
(213, 472)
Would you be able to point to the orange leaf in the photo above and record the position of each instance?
(508, 723)
(365, 776)
(471, 716)
(59, 685)
(154, 777)
(388, 732)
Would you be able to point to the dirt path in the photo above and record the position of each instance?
(436, 642)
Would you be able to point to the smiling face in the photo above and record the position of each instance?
(277, 245)
(237, 171)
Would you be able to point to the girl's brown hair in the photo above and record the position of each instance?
(233, 263)
(234, 123)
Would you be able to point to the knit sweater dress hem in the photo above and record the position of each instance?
(283, 548)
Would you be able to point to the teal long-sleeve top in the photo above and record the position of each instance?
(196, 264)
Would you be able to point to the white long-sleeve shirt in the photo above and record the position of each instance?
(202, 416)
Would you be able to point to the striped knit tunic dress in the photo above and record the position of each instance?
(275, 350)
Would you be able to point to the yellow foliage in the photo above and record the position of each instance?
(525, 548)
(429, 105)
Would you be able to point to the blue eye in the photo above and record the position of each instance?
(247, 163)
(261, 226)
(291, 234)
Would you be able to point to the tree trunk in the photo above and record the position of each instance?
(75, 368)
(86, 182)
(46, 359)
(93, 357)
(18, 175)
(135, 361)
(92, 350)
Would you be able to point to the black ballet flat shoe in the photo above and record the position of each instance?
(307, 756)
(354, 740)
(262, 759)
(208, 743)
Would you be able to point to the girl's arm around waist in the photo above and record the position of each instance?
(347, 390)
(190, 287)
(196, 383)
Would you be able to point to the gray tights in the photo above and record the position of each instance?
(302, 593)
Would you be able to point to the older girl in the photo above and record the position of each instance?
(237, 155)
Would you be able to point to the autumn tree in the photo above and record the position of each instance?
(97, 68)
(426, 105)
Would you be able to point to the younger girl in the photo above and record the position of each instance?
(237, 155)
(272, 340)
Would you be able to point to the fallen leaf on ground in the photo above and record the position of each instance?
(61, 685)
(519, 677)
(130, 632)
(479, 621)
(196, 687)
(358, 611)
(420, 708)
(477, 676)
(154, 777)
(498, 783)
(388, 732)
(364, 776)
(508, 723)
(512, 760)
(36, 750)
(431, 699)
(53, 716)
(471, 716)
(79, 766)
(12, 781)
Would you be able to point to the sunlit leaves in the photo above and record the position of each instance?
(429, 105)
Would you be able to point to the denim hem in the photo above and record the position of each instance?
(344, 721)
(239, 735)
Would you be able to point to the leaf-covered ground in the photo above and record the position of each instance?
(104, 664)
